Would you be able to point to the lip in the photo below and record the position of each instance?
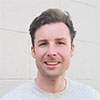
(51, 64)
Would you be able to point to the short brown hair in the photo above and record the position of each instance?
(52, 16)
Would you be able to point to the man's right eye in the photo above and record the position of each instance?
(42, 44)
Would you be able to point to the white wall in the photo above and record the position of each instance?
(16, 63)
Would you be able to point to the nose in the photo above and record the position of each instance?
(51, 51)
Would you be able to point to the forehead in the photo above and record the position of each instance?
(52, 31)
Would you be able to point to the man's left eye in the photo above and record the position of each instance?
(60, 43)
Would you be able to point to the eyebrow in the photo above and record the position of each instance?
(61, 39)
(44, 40)
(41, 40)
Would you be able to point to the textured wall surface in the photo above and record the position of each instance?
(16, 62)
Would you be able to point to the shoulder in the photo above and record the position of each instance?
(84, 90)
(81, 86)
(19, 92)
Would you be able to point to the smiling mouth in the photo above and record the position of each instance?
(51, 63)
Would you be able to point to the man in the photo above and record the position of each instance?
(52, 35)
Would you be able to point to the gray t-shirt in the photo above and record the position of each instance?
(73, 91)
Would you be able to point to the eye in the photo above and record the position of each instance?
(60, 43)
(42, 44)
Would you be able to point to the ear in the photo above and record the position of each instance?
(33, 52)
(72, 49)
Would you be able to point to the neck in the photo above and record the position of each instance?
(51, 85)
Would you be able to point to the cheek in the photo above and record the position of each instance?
(64, 52)
(40, 52)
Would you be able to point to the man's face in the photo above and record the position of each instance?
(52, 49)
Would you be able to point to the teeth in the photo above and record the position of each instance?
(52, 63)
